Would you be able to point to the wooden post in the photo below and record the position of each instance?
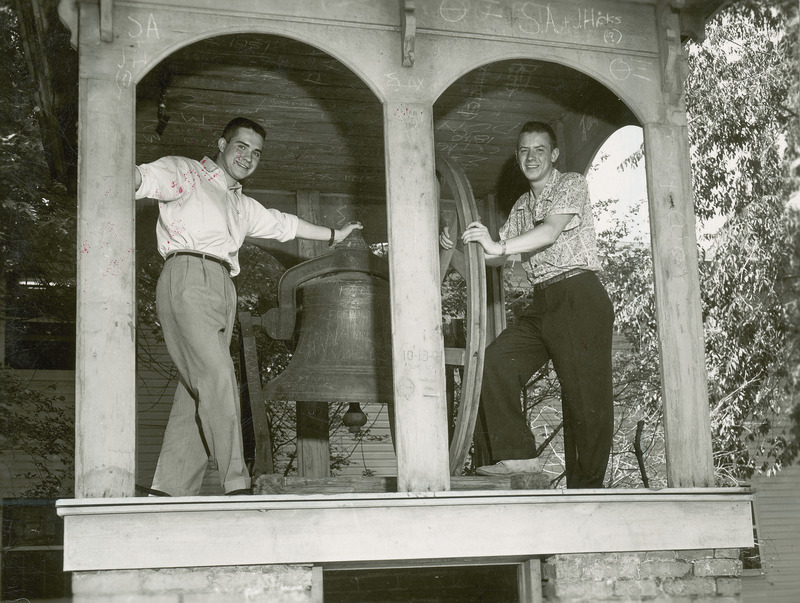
(105, 369)
(529, 581)
(309, 208)
(417, 346)
(317, 584)
(313, 439)
(250, 388)
(495, 289)
(495, 319)
(313, 423)
(677, 290)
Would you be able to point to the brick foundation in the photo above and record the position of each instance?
(246, 584)
(675, 576)
(695, 576)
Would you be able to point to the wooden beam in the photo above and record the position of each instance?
(495, 321)
(250, 387)
(408, 26)
(313, 439)
(279, 484)
(673, 62)
(693, 26)
(417, 346)
(105, 366)
(495, 289)
(317, 585)
(529, 581)
(687, 429)
(68, 14)
(313, 423)
(397, 528)
(310, 210)
(107, 20)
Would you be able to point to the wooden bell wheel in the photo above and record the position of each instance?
(468, 261)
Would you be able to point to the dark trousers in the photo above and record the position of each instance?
(569, 322)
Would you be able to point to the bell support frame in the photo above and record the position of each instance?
(470, 263)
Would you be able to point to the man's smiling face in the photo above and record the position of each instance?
(239, 157)
(535, 156)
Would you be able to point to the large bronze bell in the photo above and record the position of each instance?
(343, 353)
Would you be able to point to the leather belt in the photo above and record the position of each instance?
(559, 277)
(205, 256)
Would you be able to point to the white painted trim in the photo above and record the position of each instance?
(343, 530)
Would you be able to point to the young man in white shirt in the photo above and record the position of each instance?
(203, 221)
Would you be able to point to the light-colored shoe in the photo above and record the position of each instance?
(511, 467)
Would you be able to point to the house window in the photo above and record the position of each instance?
(39, 325)
(32, 550)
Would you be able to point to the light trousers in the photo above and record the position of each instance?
(569, 322)
(196, 303)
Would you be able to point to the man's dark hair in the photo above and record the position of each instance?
(242, 122)
(539, 127)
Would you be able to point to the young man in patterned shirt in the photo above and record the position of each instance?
(569, 320)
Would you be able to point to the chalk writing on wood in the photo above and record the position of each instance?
(134, 56)
(669, 191)
(612, 37)
(622, 69)
(410, 116)
(542, 19)
(479, 137)
(421, 366)
(467, 160)
(342, 213)
(123, 79)
(537, 19)
(191, 118)
(137, 30)
(454, 10)
(490, 9)
(677, 224)
(421, 357)
(397, 82)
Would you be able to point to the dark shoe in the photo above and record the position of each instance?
(150, 491)
(241, 492)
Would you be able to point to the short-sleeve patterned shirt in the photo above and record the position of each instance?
(576, 247)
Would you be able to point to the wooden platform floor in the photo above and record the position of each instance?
(395, 529)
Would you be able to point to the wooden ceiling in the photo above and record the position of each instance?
(324, 124)
(325, 127)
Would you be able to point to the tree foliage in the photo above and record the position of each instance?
(41, 427)
(737, 97)
(37, 214)
(743, 137)
(37, 275)
(741, 96)
(742, 127)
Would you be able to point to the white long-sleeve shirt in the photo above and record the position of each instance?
(198, 212)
